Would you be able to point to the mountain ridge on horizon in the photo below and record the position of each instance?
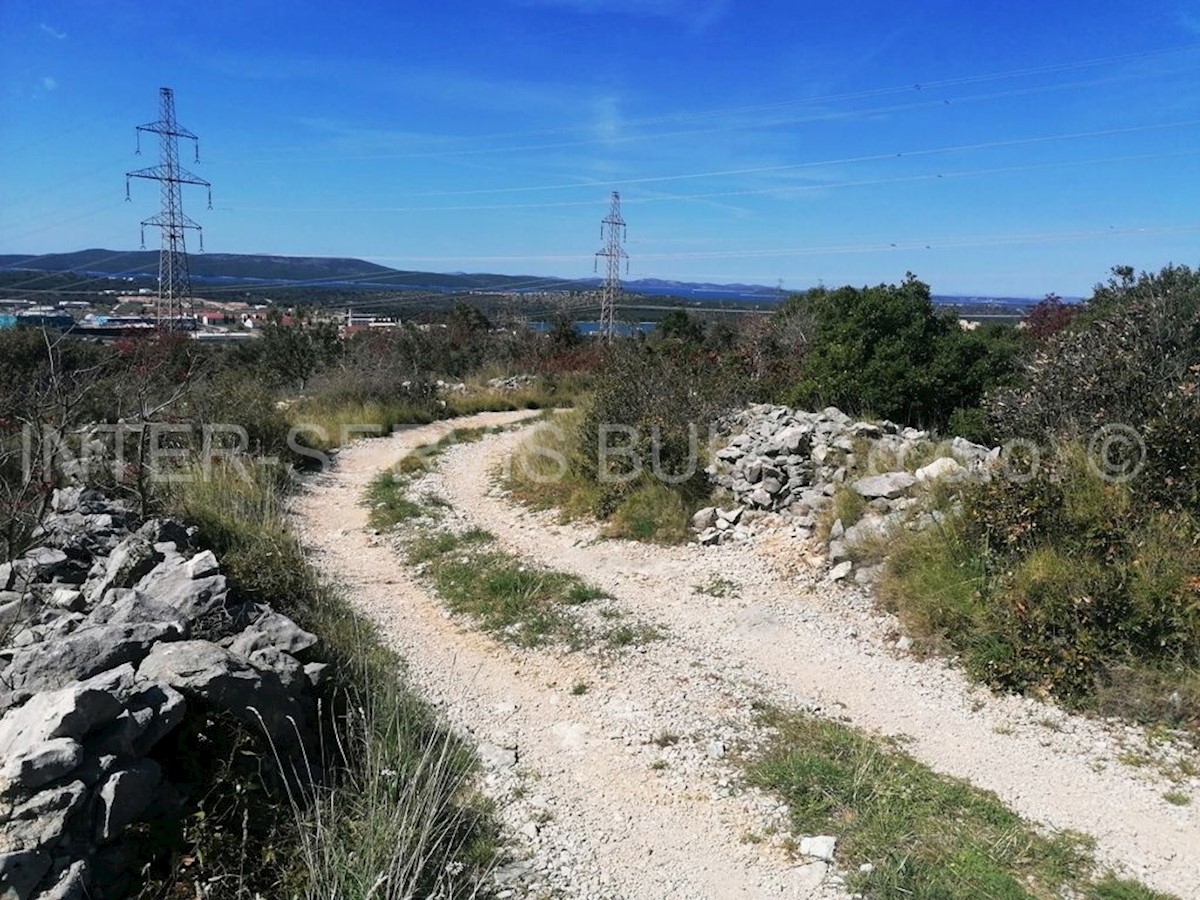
(314, 271)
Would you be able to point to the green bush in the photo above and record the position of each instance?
(1132, 363)
(648, 422)
(1062, 585)
(887, 351)
(972, 424)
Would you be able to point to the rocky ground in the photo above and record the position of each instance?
(113, 632)
(625, 787)
(782, 469)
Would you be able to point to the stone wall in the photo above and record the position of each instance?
(113, 632)
(782, 468)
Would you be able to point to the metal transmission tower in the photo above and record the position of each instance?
(612, 232)
(174, 281)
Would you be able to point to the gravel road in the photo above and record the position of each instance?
(625, 790)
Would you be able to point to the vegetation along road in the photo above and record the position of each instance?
(624, 748)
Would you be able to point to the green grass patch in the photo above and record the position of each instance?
(397, 807)
(924, 835)
(934, 581)
(653, 512)
(546, 472)
(519, 602)
(423, 456)
(388, 501)
(847, 504)
(716, 586)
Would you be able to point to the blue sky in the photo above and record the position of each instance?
(1016, 148)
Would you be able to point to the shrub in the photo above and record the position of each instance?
(1134, 365)
(972, 424)
(766, 354)
(652, 409)
(1049, 317)
(1062, 585)
(885, 350)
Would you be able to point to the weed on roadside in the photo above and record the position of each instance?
(922, 834)
(716, 586)
(397, 807)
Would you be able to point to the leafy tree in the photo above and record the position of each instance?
(294, 352)
(678, 325)
(1049, 317)
(872, 350)
(887, 351)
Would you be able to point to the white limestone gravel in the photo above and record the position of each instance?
(603, 809)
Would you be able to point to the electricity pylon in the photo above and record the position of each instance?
(612, 232)
(174, 281)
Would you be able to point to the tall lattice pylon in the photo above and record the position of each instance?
(612, 232)
(174, 281)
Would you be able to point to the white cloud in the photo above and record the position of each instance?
(49, 83)
(53, 32)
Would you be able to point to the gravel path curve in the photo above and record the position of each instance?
(604, 809)
(597, 816)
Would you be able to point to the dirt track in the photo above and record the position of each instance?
(613, 814)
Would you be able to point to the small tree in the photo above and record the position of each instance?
(292, 353)
(1049, 317)
(49, 385)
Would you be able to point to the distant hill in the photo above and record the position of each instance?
(290, 270)
(348, 273)
(118, 263)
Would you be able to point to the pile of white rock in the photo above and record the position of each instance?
(112, 633)
(512, 383)
(782, 468)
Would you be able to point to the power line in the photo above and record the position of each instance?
(439, 150)
(876, 157)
